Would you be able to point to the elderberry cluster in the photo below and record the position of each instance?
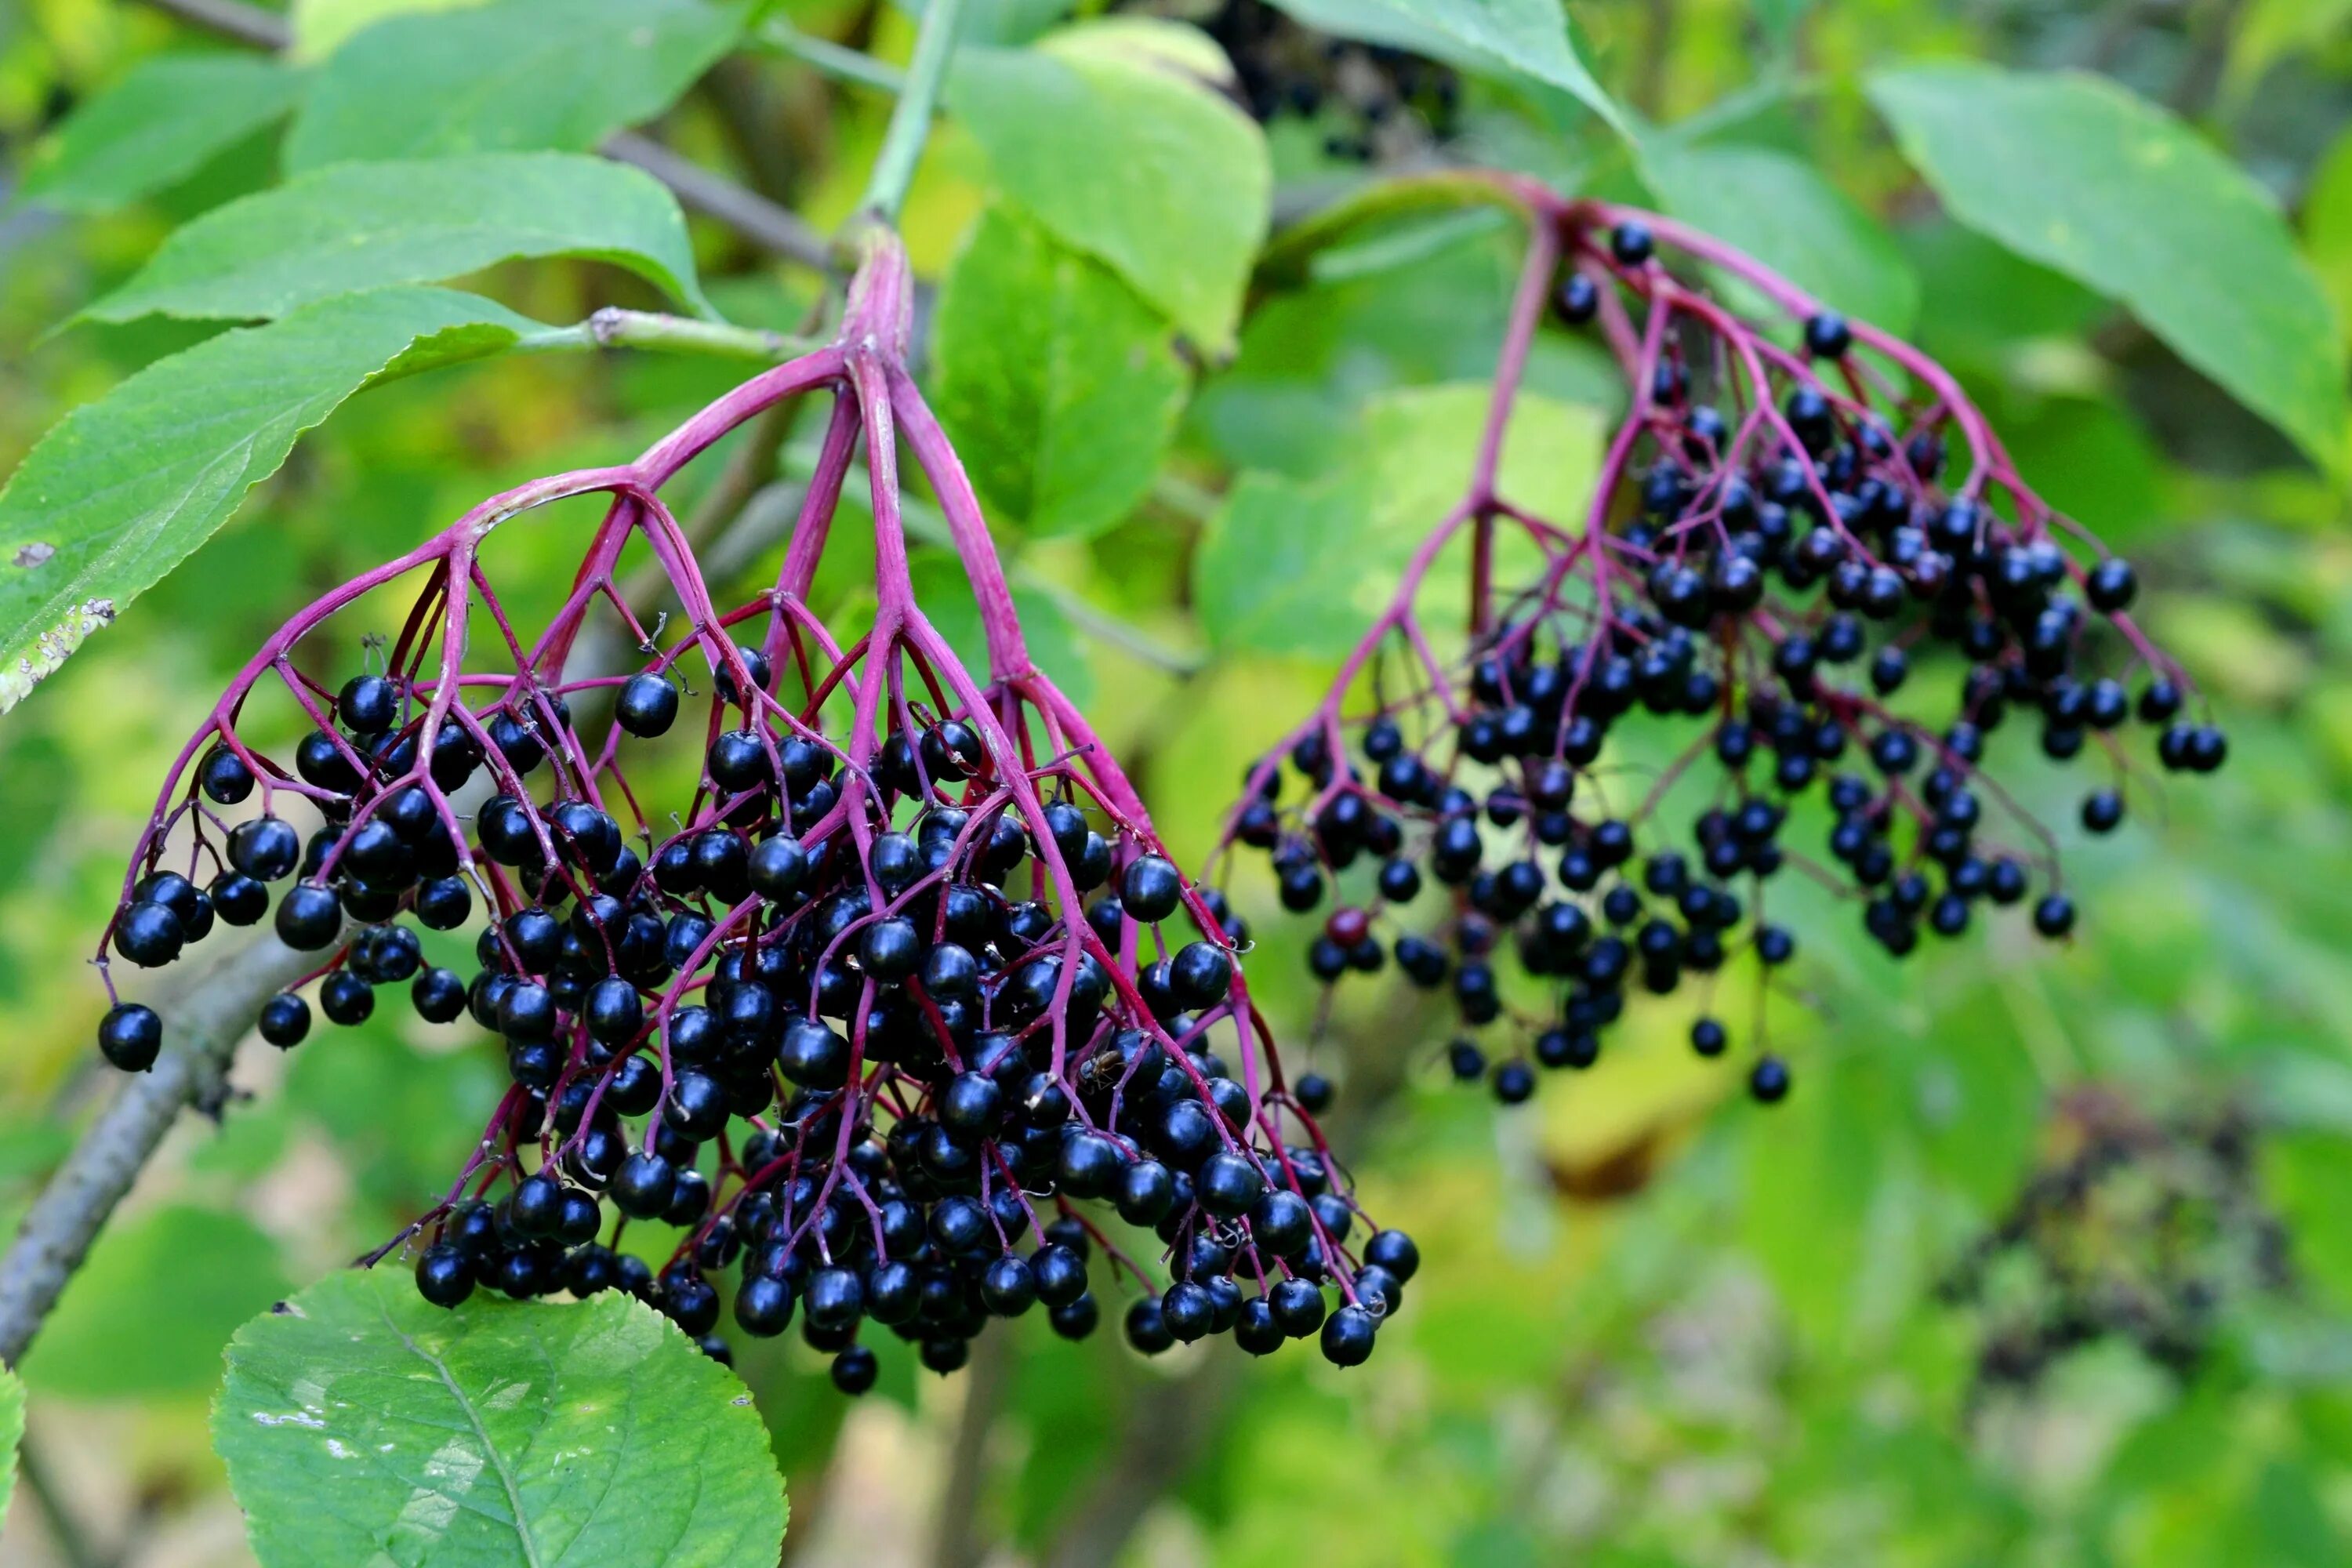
(690, 1017)
(869, 979)
(2140, 1229)
(1379, 100)
(1781, 582)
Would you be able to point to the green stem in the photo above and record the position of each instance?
(834, 59)
(911, 121)
(614, 328)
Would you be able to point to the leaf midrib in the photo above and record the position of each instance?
(497, 1460)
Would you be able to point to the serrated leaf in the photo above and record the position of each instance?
(1508, 38)
(12, 1434)
(1059, 384)
(85, 529)
(147, 1314)
(1298, 567)
(368, 226)
(554, 74)
(156, 126)
(1159, 177)
(2073, 172)
(1780, 212)
(361, 1424)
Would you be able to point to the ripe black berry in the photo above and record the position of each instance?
(647, 705)
(445, 1275)
(131, 1036)
(1348, 1337)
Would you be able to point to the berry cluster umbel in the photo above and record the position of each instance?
(885, 1013)
(1810, 555)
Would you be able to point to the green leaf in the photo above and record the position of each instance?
(321, 25)
(1779, 211)
(2073, 172)
(363, 226)
(83, 531)
(2328, 226)
(12, 1434)
(156, 126)
(361, 1424)
(1294, 567)
(1159, 177)
(1506, 37)
(560, 74)
(1061, 387)
(148, 1313)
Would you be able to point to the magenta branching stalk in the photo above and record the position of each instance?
(846, 1017)
(1801, 525)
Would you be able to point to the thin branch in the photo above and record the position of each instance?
(752, 215)
(749, 214)
(957, 1540)
(613, 327)
(911, 120)
(780, 37)
(202, 1029)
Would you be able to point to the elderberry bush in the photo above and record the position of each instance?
(1812, 575)
(864, 975)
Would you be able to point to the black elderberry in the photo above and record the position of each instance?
(1708, 1038)
(642, 1187)
(445, 1275)
(1768, 1080)
(131, 1036)
(309, 917)
(2055, 915)
(1577, 300)
(223, 776)
(2111, 585)
(647, 705)
(1514, 1082)
(345, 999)
(1151, 889)
(1346, 1338)
(438, 995)
(148, 934)
(1827, 336)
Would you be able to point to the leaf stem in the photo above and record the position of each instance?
(615, 328)
(911, 121)
(834, 59)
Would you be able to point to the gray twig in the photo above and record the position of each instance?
(201, 1033)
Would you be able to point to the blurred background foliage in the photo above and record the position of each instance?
(2047, 1261)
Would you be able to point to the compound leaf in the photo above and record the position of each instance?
(1127, 161)
(360, 1424)
(1061, 386)
(351, 227)
(558, 73)
(85, 529)
(155, 126)
(2073, 172)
